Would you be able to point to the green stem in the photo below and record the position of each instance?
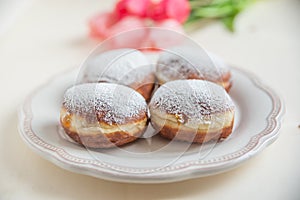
(224, 10)
(215, 12)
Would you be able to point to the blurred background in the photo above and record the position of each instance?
(39, 39)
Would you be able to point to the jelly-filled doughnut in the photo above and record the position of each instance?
(103, 115)
(127, 67)
(192, 110)
(187, 63)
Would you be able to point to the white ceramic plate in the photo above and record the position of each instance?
(153, 160)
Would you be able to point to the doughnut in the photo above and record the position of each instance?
(103, 115)
(123, 66)
(188, 63)
(195, 111)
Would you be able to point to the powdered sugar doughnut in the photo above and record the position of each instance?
(123, 66)
(192, 110)
(103, 115)
(187, 63)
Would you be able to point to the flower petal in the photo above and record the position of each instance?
(137, 8)
(100, 24)
(169, 9)
(132, 39)
(165, 37)
(178, 10)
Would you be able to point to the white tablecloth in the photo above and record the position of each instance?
(51, 36)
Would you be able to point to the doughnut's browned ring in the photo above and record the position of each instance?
(97, 139)
(224, 81)
(104, 140)
(192, 136)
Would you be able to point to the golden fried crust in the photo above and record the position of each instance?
(223, 81)
(109, 140)
(99, 134)
(193, 136)
(227, 85)
(145, 88)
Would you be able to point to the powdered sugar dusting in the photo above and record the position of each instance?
(191, 100)
(107, 102)
(184, 62)
(123, 66)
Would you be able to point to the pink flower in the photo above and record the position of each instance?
(126, 24)
(170, 24)
(131, 8)
(169, 9)
(133, 14)
(131, 39)
(100, 24)
(162, 38)
(105, 25)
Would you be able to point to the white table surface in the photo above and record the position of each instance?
(50, 36)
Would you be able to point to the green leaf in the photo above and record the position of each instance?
(223, 10)
(229, 22)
